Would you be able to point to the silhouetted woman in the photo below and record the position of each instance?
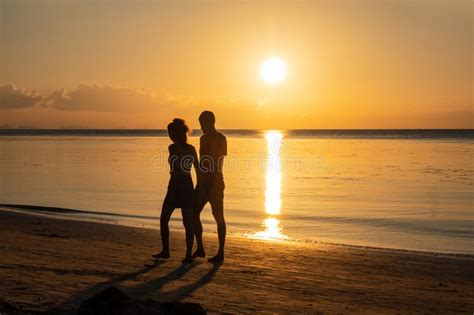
(180, 188)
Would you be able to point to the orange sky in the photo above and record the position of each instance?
(138, 64)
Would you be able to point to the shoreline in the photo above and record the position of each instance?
(102, 217)
(51, 264)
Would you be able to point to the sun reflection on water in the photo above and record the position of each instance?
(273, 189)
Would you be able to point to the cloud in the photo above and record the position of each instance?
(13, 98)
(104, 98)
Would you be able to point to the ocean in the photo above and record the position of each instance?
(396, 189)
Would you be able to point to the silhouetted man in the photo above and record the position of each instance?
(210, 186)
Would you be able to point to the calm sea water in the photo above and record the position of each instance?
(392, 189)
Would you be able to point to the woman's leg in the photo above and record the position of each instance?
(187, 215)
(165, 216)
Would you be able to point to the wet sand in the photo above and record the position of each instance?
(49, 264)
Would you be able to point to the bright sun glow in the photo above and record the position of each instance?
(273, 70)
(273, 189)
(273, 180)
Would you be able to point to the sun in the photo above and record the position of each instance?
(273, 70)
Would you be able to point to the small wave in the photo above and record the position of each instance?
(57, 210)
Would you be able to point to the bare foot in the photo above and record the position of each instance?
(199, 253)
(162, 255)
(216, 259)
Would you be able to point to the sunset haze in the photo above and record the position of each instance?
(124, 64)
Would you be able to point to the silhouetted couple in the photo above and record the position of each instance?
(210, 185)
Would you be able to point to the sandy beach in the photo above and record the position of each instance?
(49, 264)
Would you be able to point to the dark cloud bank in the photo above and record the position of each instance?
(13, 98)
(98, 98)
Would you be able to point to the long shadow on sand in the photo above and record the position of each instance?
(179, 293)
(145, 288)
(83, 295)
(156, 284)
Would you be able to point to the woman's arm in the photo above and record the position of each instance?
(171, 163)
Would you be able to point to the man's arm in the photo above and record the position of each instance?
(201, 147)
(222, 154)
(224, 146)
(197, 169)
(202, 174)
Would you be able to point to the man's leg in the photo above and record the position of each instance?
(198, 206)
(217, 206)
